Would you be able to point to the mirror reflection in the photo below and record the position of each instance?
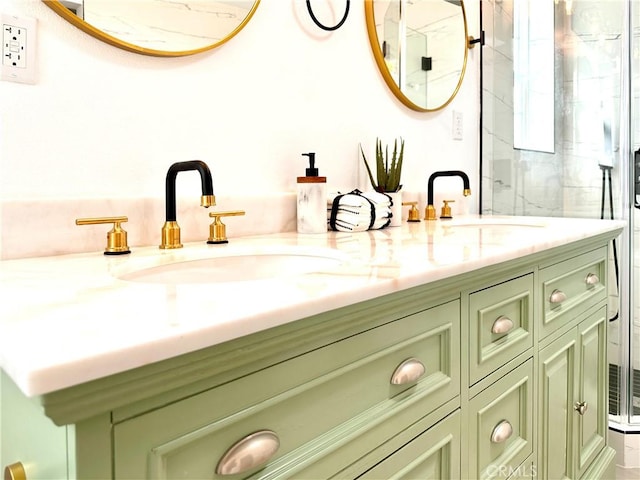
(533, 76)
(158, 27)
(420, 47)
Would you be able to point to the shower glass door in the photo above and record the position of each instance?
(632, 395)
(584, 167)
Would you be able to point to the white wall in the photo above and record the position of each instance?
(105, 123)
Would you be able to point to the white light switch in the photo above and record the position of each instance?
(457, 125)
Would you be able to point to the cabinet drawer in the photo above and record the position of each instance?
(501, 424)
(501, 325)
(571, 287)
(313, 403)
(435, 454)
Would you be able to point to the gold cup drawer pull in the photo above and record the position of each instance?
(408, 371)
(252, 451)
(557, 296)
(592, 280)
(502, 325)
(501, 432)
(15, 471)
(581, 407)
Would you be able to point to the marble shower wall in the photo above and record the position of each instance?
(587, 95)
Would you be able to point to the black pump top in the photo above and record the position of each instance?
(311, 171)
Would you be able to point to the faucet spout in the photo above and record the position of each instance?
(171, 229)
(430, 212)
(208, 198)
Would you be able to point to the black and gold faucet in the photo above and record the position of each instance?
(430, 210)
(171, 229)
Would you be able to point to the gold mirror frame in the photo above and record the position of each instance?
(382, 66)
(68, 15)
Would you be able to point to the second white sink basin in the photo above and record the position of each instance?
(238, 265)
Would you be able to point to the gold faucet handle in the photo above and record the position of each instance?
(116, 237)
(218, 230)
(445, 212)
(414, 214)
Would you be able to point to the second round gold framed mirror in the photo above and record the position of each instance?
(420, 47)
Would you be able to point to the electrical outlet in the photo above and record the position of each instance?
(18, 49)
(457, 125)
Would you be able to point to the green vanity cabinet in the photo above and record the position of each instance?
(488, 374)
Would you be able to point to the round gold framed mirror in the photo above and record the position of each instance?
(420, 47)
(161, 28)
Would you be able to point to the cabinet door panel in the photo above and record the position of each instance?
(591, 425)
(557, 387)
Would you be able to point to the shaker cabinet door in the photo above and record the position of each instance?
(573, 389)
(590, 404)
(557, 390)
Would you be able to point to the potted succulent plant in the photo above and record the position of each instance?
(388, 170)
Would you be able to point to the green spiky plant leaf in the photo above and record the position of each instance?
(388, 171)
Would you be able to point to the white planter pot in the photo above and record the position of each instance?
(396, 208)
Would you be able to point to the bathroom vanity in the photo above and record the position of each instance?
(474, 348)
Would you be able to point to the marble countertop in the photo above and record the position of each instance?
(69, 319)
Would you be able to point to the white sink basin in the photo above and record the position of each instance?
(238, 265)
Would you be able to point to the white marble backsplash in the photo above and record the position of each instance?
(35, 228)
(38, 228)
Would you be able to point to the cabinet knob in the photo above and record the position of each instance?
(557, 296)
(592, 279)
(116, 237)
(502, 325)
(408, 372)
(581, 407)
(15, 471)
(501, 432)
(248, 453)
